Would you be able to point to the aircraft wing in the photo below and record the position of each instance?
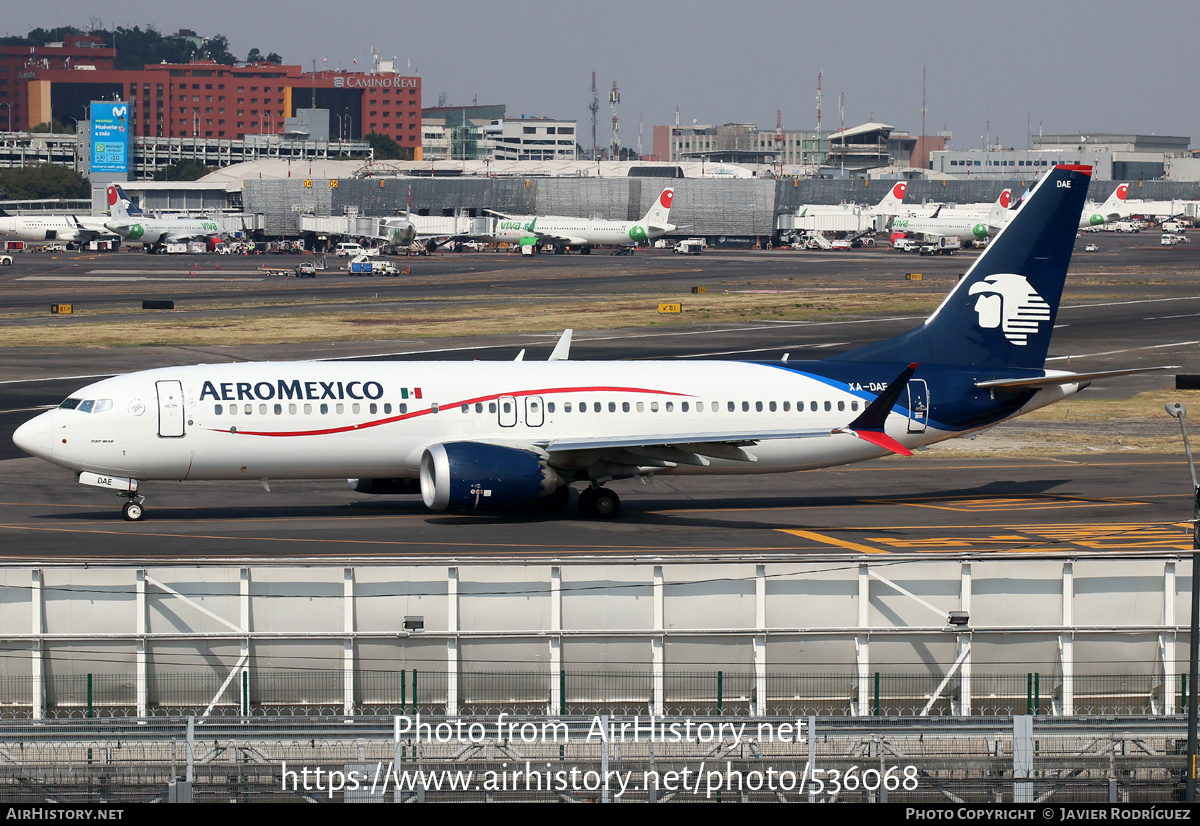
(1052, 379)
(86, 232)
(571, 240)
(667, 450)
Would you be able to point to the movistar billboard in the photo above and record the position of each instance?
(110, 137)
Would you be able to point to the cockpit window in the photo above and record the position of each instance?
(102, 405)
(86, 405)
(69, 404)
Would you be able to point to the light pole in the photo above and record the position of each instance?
(1179, 411)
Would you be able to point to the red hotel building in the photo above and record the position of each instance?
(204, 99)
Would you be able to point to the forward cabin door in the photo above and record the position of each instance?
(170, 409)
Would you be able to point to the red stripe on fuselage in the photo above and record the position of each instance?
(549, 391)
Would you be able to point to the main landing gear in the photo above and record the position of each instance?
(599, 503)
(132, 510)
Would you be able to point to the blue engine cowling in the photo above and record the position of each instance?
(472, 475)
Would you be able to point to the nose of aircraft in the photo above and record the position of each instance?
(34, 436)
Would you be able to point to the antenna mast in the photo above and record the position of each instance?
(614, 97)
(594, 107)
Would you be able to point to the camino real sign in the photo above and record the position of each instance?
(110, 137)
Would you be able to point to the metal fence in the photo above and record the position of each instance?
(970, 761)
(299, 692)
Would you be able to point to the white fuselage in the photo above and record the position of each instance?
(966, 228)
(53, 228)
(375, 419)
(573, 231)
(165, 230)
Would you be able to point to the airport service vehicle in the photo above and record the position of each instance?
(1172, 226)
(5, 260)
(487, 435)
(129, 222)
(690, 246)
(349, 250)
(1091, 248)
(306, 269)
(583, 233)
(1170, 240)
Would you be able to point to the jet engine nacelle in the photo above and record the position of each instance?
(384, 486)
(473, 475)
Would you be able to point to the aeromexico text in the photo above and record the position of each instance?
(295, 389)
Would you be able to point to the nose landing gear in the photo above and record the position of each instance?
(132, 509)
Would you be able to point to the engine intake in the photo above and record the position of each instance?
(472, 475)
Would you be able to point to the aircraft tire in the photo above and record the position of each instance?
(599, 503)
(585, 250)
(133, 512)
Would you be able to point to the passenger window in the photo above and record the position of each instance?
(324, 410)
(402, 408)
(374, 408)
(292, 409)
(507, 407)
(732, 407)
(387, 408)
(787, 406)
(466, 408)
(828, 407)
(841, 406)
(671, 406)
(854, 405)
(247, 409)
(758, 407)
(641, 407)
(683, 407)
(612, 407)
(812, 406)
(279, 410)
(307, 409)
(715, 407)
(745, 407)
(218, 409)
(434, 408)
(233, 410)
(478, 407)
(653, 407)
(596, 406)
(262, 410)
(772, 407)
(625, 407)
(355, 408)
(566, 407)
(491, 407)
(549, 407)
(340, 408)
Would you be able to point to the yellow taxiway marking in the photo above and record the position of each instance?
(829, 540)
(1027, 539)
(1027, 502)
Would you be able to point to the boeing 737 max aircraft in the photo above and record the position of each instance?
(469, 435)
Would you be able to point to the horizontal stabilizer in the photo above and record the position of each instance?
(1035, 382)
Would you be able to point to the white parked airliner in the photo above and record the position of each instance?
(472, 435)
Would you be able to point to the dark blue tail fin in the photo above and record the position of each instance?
(1001, 313)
